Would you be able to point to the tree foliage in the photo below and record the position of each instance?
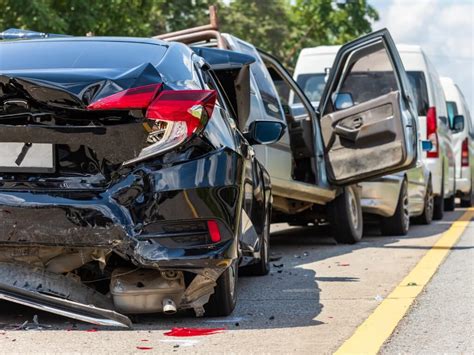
(281, 27)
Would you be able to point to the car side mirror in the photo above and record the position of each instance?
(265, 132)
(458, 124)
(426, 146)
(343, 100)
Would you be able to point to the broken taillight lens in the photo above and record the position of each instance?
(172, 116)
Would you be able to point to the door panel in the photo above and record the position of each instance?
(368, 119)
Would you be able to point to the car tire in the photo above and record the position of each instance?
(467, 201)
(438, 205)
(345, 214)
(399, 223)
(262, 266)
(427, 216)
(222, 302)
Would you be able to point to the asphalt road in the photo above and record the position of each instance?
(313, 300)
(442, 318)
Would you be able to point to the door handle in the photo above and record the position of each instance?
(346, 132)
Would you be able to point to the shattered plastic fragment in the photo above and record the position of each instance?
(191, 332)
(343, 264)
(144, 348)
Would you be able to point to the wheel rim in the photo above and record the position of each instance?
(429, 203)
(353, 210)
(406, 210)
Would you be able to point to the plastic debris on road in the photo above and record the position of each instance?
(192, 332)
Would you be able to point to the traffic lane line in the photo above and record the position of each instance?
(377, 328)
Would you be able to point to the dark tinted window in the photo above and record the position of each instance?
(312, 85)
(77, 54)
(264, 82)
(418, 84)
(452, 111)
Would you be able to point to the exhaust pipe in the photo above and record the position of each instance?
(169, 307)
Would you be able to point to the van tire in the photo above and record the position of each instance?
(438, 206)
(467, 201)
(399, 223)
(450, 203)
(345, 214)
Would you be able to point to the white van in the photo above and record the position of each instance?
(313, 66)
(463, 141)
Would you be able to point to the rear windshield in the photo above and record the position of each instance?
(77, 54)
(312, 85)
(418, 84)
(452, 111)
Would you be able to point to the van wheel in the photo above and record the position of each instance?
(346, 216)
(438, 210)
(450, 203)
(399, 223)
(224, 298)
(427, 216)
(467, 201)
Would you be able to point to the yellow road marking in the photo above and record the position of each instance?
(375, 330)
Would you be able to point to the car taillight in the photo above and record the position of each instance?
(431, 132)
(130, 99)
(465, 152)
(172, 116)
(214, 232)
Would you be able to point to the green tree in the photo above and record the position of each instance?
(264, 23)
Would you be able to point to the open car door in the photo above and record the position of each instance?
(368, 119)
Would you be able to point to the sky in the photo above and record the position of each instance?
(443, 28)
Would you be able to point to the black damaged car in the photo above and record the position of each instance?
(125, 184)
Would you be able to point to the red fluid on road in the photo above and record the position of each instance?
(192, 332)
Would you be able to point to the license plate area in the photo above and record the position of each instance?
(27, 157)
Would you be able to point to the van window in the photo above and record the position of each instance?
(452, 111)
(418, 84)
(264, 83)
(312, 85)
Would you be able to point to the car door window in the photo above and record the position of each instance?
(366, 77)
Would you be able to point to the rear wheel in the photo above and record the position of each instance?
(427, 216)
(262, 266)
(399, 223)
(438, 206)
(468, 201)
(450, 203)
(346, 216)
(222, 301)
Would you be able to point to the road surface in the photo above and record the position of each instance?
(312, 301)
